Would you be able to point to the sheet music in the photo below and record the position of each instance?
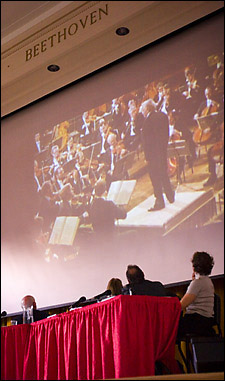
(120, 191)
(64, 230)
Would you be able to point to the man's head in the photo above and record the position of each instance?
(103, 126)
(147, 106)
(134, 274)
(208, 92)
(112, 140)
(55, 151)
(28, 301)
(100, 188)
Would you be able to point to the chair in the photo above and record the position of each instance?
(178, 149)
(207, 354)
(192, 339)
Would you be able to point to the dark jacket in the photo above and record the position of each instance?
(146, 287)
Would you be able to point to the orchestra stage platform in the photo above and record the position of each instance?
(189, 208)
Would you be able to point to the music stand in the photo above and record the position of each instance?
(124, 164)
(42, 157)
(57, 142)
(92, 150)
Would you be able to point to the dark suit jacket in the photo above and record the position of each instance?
(146, 287)
(155, 135)
(103, 214)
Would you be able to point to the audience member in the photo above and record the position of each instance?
(138, 285)
(115, 286)
(28, 301)
(198, 301)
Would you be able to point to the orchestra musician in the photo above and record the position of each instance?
(61, 131)
(209, 106)
(118, 116)
(206, 108)
(131, 135)
(218, 80)
(159, 97)
(214, 153)
(38, 142)
(102, 214)
(60, 179)
(115, 152)
(71, 149)
(88, 124)
(57, 158)
(48, 205)
(192, 86)
(104, 130)
(70, 204)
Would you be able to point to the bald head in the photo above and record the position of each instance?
(28, 301)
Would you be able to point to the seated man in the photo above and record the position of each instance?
(27, 302)
(138, 285)
(103, 213)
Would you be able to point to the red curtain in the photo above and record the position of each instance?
(119, 337)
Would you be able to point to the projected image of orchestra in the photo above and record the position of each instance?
(176, 153)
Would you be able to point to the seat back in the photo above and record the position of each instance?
(217, 313)
(207, 354)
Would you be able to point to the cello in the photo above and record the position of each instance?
(200, 135)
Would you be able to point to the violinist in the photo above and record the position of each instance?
(71, 149)
(88, 124)
(60, 179)
(104, 130)
(118, 115)
(38, 142)
(192, 95)
(57, 157)
(158, 98)
(70, 204)
(37, 175)
(117, 150)
(192, 86)
(131, 134)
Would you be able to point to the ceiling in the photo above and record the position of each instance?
(80, 37)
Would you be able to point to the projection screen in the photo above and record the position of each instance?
(56, 152)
